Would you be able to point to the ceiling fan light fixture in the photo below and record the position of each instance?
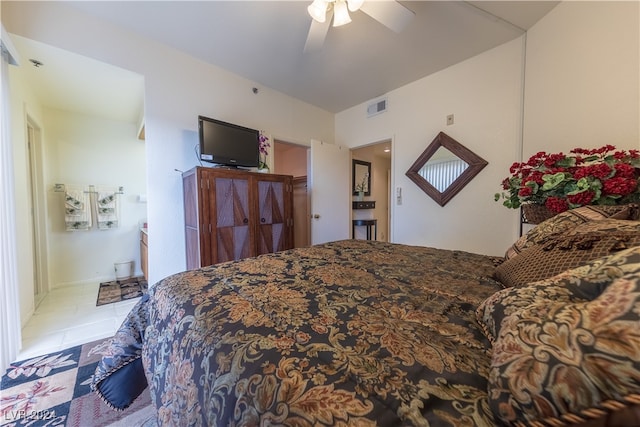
(340, 13)
(318, 10)
(354, 5)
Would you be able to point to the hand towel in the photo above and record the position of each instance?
(77, 208)
(107, 206)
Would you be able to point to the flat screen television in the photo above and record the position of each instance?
(227, 144)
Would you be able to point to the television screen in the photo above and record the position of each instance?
(227, 144)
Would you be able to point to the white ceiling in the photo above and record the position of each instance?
(263, 41)
(72, 82)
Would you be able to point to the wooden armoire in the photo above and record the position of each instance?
(232, 214)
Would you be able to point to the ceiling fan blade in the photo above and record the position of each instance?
(389, 13)
(317, 33)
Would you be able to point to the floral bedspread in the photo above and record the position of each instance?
(348, 333)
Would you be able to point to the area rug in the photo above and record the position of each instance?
(54, 390)
(121, 290)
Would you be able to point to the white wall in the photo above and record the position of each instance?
(177, 89)
(289, 159)
(484, 94)
(85, 150)
(583, 78)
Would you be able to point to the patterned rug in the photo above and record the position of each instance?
(120, 290)
(53, 390)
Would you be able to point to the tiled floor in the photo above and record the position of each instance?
(69, 316)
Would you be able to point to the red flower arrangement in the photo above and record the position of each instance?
(602, 176)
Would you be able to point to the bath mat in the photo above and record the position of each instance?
(121, 290)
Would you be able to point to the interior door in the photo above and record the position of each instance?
(329, 186)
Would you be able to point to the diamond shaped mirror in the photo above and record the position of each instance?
(444, 168)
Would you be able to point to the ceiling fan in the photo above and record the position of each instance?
(389, 13)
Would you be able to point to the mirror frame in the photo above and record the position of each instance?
(353, 176)
(475, 162)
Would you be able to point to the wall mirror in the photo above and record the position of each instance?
(361, 177)
(445, 168)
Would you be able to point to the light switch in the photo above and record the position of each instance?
(449, 119)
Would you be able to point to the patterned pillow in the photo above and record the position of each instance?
(583, 283)
(571, 351)
(569, 219)
(513, 300)
(564, 252)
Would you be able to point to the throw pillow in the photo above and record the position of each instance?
(608, 225)
(564, 252)
(569, 219)
(565, 357)
(512, 300)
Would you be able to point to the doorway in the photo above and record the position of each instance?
(291, 159)
(74, 143)
(379, 155)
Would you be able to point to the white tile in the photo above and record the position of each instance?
(72, 340)
(89, 309)
(91, 317)
(68, 291)
(42, 344)
(69, 316)
(89, 332)
(50, 306)
(125, 306)
(48, 323)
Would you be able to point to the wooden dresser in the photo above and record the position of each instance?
(232, 214)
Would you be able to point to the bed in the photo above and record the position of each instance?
(364, 333)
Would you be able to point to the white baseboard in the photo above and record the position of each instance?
(88, 282)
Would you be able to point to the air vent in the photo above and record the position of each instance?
(380, 106)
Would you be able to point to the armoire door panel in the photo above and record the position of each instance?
(265, 239)
(277, 202)
(225, 244)
(224, 203)
(192, 242)
(242, 247)
(241, 201)
(264, 201)
(233, 243)
(232, 202)
(277, 232)
(190, 188)
(271, 202)
(272, 238)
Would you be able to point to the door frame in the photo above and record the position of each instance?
(38, 203)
